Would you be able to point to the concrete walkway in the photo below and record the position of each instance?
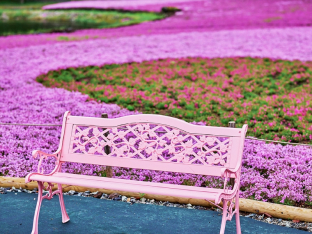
(91, 215)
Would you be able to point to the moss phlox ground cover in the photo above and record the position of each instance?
(270, 172)
(199, 16)
(19, 88)
(31, 104)
(272, 96)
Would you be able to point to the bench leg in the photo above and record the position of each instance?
(65, 217)
(238, 227)
(36, 218)
(224, 216)
(228, 213)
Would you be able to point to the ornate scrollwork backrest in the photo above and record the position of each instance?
(151, 142)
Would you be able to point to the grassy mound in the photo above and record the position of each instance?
(24, 4)
(272, 96)
(28, 20)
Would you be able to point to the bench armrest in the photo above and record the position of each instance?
(225, 172)
(229, 194)
(42, 155)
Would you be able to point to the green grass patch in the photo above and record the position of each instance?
(274, 97)
(26, 21)
(28, 4)
(77, 38)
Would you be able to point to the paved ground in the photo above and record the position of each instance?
(91, 215)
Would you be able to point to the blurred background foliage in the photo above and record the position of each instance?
(26, 17)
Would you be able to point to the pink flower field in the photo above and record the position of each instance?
(196, 16)
(273, 29)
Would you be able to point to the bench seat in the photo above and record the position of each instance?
(132, 185)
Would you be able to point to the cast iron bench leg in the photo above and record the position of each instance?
(224, 216)
(65, 217)
(36, 218)
(238, 227)
(228, 216)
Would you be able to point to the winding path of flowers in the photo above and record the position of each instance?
(197, 15)
(25, 101)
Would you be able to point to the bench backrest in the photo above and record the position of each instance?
(153, 142)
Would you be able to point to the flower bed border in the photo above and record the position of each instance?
(246, 205)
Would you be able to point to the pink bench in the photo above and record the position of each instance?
(152, 142)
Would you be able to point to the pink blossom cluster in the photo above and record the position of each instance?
(25, 101)
(274, 172)
(34, 104)
(269, 171)
(199, 16)
(288, 43)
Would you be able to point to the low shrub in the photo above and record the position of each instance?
(272, 96)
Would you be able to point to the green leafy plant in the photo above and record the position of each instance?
(214, 91)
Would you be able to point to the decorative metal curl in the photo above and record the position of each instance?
(49, 187)
(230, 210)
(147, 144)
(43, 155)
